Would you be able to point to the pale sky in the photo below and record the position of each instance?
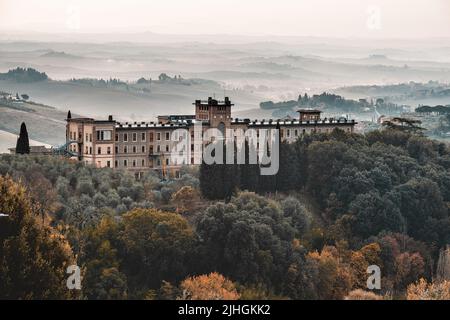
(323, 18)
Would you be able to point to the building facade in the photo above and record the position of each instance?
(143, 146)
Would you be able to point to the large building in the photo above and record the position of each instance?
(143, 146)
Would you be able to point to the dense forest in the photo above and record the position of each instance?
(339, 203)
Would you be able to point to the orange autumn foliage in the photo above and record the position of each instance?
(422, 290)
(359, 294)
(213, 286)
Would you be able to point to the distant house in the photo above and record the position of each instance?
(5, 96)
(35, 150)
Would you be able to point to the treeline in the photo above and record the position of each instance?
(369, 183)
(403, 91)
(379, 199)
(252, 247)
(81, 195)
(101, 83)
(324, 100)
(329, 101)
(440, 109)
(24, 75)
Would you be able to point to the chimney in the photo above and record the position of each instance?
(110, 118)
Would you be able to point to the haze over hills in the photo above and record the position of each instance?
(248, 69)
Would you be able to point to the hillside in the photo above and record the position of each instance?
(8, 140)
(129, 102)
(44, 123)
(259, 70)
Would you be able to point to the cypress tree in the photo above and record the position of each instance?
(267, 183)
(23, 144)
(230, 175)
(287, 177)
(211, 180)
(219, 181)
(249, 172)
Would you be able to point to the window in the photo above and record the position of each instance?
(158, 136)
(117, 137)
(86, 150)
(108, 164)
(167, 136)
(134, 163)
(116, 149)
(143, 149)
(134, 136)
(99, 150)
(143, 162)
(167, 162)
(116, 163)
(167, 148)
(87, 137)
(158, 148)
(108, 150)
(125, 137)
(103, 135)
(151, 136)
(125, 149)
(296, 132)
(90, 150)
(90, 137)
(134, 149)
(143, 136)
(125, 163)
(158, 162)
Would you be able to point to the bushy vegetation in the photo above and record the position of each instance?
(385, 181)
(388, 188)
(340, 203)
(80, 195)
(33, 256)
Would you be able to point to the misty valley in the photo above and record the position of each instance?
(358, 207)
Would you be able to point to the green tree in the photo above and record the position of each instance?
(33, 257)
(154, 246)
(23, 144)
